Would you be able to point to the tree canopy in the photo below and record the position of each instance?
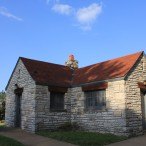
(2, 96)
(2, 105)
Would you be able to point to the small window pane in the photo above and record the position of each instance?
(56, 101)
(95, 100)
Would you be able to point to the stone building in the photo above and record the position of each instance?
(107, 97)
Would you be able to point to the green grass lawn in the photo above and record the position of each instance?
(83, 138)
(5, 141)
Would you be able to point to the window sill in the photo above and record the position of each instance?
(95, 110)
(59, 111)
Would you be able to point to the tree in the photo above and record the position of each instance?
(2, 96)
(2, 105)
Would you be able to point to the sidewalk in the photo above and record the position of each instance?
(136, 141)
(29, 139)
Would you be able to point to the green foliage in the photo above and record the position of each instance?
(2, 105)
(83, 138)
(2, 96)
(5, 141)
(2, 125)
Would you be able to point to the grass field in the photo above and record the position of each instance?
(83, 138)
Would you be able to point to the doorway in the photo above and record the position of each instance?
(18, 110)
(144, 110)
(18, 95)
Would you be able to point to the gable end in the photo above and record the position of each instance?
(132, 68)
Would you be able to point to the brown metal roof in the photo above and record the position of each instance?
(48, 73)
(58, 75)
(111, 69)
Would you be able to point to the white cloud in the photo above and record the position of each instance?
(6, 13)
(87, 15)
(62, 9)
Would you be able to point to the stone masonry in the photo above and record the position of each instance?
(46, 119)
(134, 98)
(111, 120)
(23, 79)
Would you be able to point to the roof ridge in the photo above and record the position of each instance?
(84, 66)
(42, 61)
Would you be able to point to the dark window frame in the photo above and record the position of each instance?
(95, 100)
(57, 101)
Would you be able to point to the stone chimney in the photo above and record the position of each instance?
(71, 62)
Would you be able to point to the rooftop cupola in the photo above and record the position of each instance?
(71, 62)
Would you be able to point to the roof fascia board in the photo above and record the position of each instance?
(108, 80)
(79, 85)
(49, 85)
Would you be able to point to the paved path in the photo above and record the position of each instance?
(29, 139)
(136, 141)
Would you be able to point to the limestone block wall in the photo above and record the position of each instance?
(110, 120)
(46, 119)
(23, 79)
(133, 98)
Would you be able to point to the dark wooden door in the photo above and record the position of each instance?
(144, 111)
(18, 110)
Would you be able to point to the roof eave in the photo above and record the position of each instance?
(89, 83)
(46, 84)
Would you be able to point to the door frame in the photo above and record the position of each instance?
(18, 102)
(143, 107)
(18, 111)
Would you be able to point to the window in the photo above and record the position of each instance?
(56, 101)
(95, 100)
(19, 72)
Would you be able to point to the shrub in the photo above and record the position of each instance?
(68, 126)
(2, 111)
(2, 105)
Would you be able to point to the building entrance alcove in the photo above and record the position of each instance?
(144, 110)
(143, 105)
(18, 97)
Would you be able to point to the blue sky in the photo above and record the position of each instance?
(50, 30)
